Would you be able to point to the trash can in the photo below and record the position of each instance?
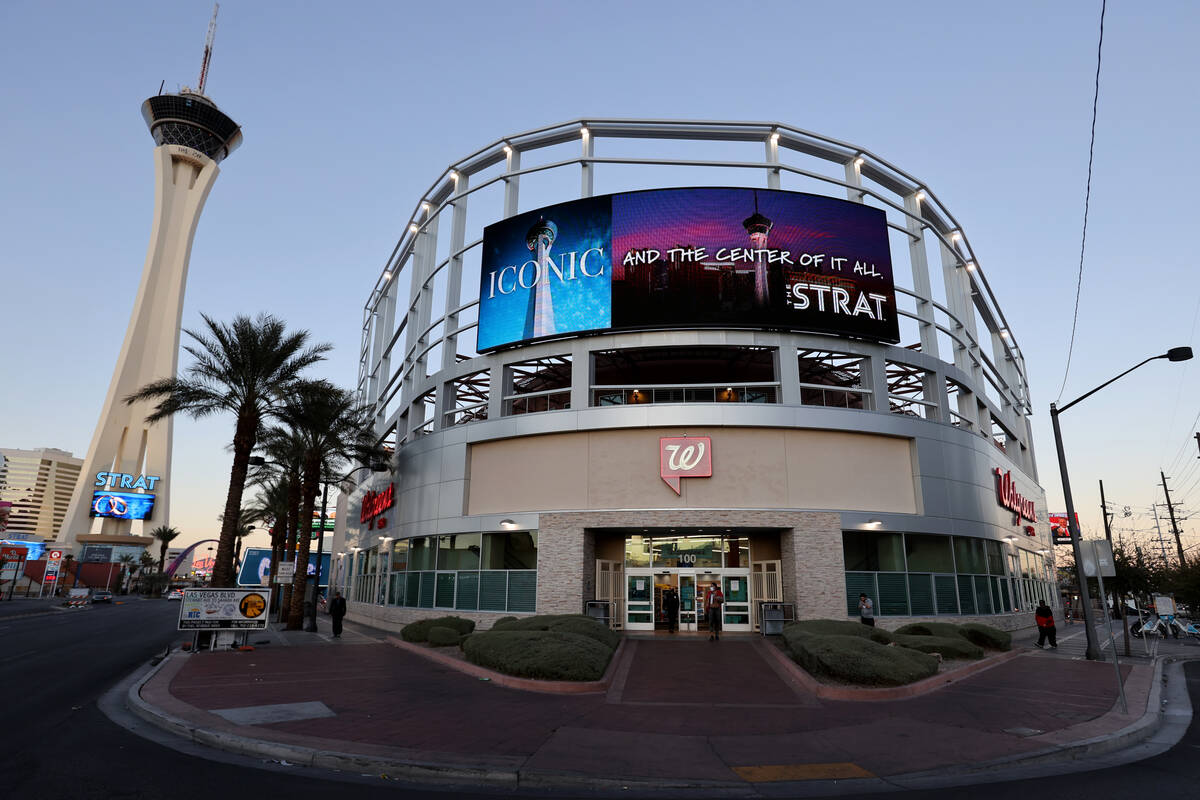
(772, 620)
(599, 611)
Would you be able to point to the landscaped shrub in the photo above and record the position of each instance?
(589, 628)
(444, 637)
(840, 627)
(542, 622)
(544, 655)
(419, 631)
(986, 636)
(858, 660)
(948, 646)
(930, 629)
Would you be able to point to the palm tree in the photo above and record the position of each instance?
(247, 368)
(165, 535)
(285, 449)
(126, 567)
(334, 430)
(145, 562)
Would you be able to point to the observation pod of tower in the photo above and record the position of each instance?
(126, 477)
(774, 364)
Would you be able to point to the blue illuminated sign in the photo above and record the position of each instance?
(122, 480)
(122, 505)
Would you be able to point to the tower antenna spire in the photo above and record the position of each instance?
(208, 46)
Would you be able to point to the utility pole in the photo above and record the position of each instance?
(1171, 510)
(1118, 604)
(1161, 544)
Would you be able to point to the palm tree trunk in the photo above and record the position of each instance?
(290, 539)
(162, 557)
(312, 473)
(244, 438)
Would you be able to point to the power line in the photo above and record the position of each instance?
(1087, 199)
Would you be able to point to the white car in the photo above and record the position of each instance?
(175, 594)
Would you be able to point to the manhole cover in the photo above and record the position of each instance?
(1023, 731)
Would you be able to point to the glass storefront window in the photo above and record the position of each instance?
(399, 556)
(510, 550)
(995, 557)
(968, 554)
(420, 553)
(684, 552)
(458, 551)
(867, 551)
(637, 551)
(928, 553)
(737, 551)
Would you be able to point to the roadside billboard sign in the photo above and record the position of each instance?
(224, 609)
(256, 567)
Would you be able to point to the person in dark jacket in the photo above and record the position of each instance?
(337, 610)
(1045, 623)
(670, 602)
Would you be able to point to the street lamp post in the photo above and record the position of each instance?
(1093, 648)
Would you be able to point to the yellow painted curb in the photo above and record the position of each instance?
(801, 772)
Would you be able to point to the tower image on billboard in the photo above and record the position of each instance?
(191, 136)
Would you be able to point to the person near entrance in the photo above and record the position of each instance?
(670, 602)
(866, 610)
(337, 610)
(714, 599)
(1045, 625)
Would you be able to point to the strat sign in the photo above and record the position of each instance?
(375, 503)
(684, 457)
(1010, 498)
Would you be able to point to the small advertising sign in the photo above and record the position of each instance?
(1058, 527)
(224, 609)
(285, 572)
(53, 562)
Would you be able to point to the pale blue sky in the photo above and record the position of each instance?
(351, 110)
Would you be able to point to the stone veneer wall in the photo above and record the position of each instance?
(813, 570)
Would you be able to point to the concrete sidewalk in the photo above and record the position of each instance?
(679, 713)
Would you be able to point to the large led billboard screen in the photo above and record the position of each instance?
(697, 257)
(122, 505)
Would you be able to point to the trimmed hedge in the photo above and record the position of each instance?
(948, 646)
(974, 632)
(840, 627)
(930, 629)
(542, 622)
(419, 631)
(590, 628)
(539, 654)
(986, 636)
(856, 659)
(444, 637)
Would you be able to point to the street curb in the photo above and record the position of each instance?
(1135, 733)
(511, 681)
(931, 684)
(420, 770)
(416, 770)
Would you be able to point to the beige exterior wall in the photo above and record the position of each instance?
(752, 468)
(39, 484)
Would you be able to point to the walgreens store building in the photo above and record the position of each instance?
(614, 357)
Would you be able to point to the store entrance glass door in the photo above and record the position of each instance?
(639, 600)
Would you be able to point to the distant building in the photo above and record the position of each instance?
(39, 484)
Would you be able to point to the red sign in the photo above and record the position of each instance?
(684, 457)
(12, 553)
(56, 555)
(1010, 498)
(375, 503)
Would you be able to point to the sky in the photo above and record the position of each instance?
(351, 110)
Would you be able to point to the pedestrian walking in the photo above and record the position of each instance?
(670, 603)
(337, 610)
(866, 610)
(1045, 624)
(714, 600)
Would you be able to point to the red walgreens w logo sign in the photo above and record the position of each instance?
(684, 457)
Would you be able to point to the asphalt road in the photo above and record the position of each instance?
(56, 742)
